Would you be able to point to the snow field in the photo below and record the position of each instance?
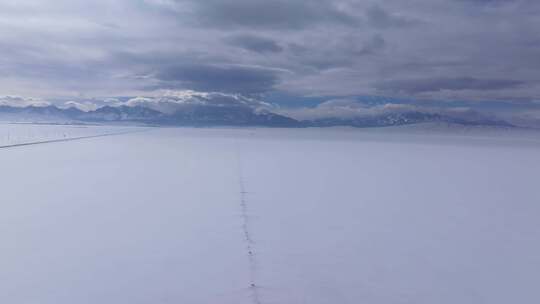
(330, 216)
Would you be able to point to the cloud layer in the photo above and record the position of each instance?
(423, 49)
(173, 101)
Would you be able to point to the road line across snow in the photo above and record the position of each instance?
(66, 139)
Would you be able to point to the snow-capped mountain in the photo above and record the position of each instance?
(202, 115)
(120, 113)
(403, 118)
(226, 113)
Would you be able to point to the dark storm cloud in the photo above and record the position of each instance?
(255, 43)
(235, 79)
(414, 86)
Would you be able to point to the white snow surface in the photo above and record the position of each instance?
(334, 216)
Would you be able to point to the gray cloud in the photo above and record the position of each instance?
(373, 46)
(337, 53)
(255, 43)
(437, 49)
(380, 18)
(438, 84)
(276, 14)
(225, 78)
(487, 2)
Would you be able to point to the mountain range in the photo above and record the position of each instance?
(230, 115)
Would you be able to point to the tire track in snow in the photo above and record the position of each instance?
(66, 139)
(247, 235)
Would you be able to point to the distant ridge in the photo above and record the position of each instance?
(219, 115)
(404, 118)
(201, 115)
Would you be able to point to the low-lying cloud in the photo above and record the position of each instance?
(19, 101)
(173, 101)
(415, 86)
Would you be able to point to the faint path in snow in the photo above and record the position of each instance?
(67, 139)
(248, 240)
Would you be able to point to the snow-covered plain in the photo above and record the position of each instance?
(334, 216)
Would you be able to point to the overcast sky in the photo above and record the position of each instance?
(434, 49)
